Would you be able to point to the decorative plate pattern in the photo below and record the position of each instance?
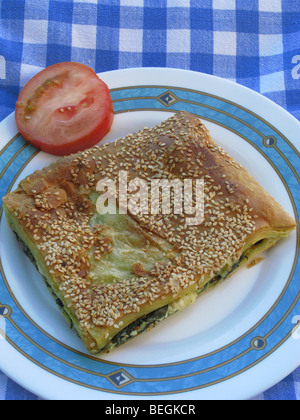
(187, 374)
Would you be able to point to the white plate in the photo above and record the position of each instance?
(244, 339)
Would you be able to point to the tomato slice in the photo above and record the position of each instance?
(64, 109)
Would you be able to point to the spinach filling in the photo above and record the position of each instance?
(150, 320)
(139, 326)
(214, 281)
(224, 276)
(58, 301)
(146, 322)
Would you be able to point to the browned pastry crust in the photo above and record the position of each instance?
(51, 212)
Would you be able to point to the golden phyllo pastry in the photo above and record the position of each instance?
(117, 275)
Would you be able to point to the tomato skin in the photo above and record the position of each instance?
(64, 109)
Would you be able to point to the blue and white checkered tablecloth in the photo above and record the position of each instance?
(253, 42)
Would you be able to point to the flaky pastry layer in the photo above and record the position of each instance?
(116, 276)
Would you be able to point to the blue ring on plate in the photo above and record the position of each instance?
(255, 345)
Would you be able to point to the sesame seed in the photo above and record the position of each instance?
(70, 245)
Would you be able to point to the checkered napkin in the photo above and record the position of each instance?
(253, 42)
